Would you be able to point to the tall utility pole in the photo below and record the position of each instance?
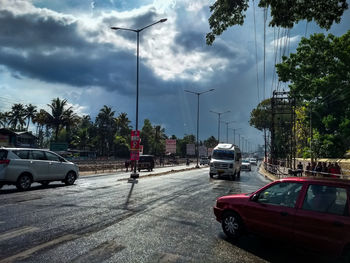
(198, 94)
(137, 31)
(219, 116)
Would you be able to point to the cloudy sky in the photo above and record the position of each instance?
(66, 49)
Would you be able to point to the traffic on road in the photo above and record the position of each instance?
(103, 218)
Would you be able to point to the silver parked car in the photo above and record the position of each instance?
(246, 165)
(22, 167)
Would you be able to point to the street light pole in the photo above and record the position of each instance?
(219, 116)
(198, 94)
(227, 123)
(234, 134)
(137, 31)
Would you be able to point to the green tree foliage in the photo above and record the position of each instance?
(181, 144)
(211, 142)
(4, 119)
(146, 136)
(17, 116)
(227, 13)
(260, 117)
(57, 118)
(30, 111)
(319, 73)
(106, 127)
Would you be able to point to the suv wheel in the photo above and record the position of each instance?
(211, 175)
(70, 178)
(24, 182)
(232, 225)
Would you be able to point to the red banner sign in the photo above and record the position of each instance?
(135, 145)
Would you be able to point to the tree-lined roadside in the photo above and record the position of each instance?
(108, 135)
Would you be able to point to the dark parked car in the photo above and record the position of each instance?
(146, 162)
(312, 213)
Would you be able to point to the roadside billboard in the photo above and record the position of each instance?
(190, 149)
(170, 146)
(203, 151)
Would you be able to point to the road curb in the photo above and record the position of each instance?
(266, 174)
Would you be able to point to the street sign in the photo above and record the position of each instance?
(170, 146)
(135, 145)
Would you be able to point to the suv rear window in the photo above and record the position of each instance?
(23, 154)
(3, 154)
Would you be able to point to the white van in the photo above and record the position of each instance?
(226, 160)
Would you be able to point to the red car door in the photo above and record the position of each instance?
(323, 223)
(271, 212)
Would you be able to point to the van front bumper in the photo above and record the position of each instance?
(221, 171)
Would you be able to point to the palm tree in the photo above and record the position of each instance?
(123, 125)
(41, 119)
(106, 126)
(17, 117)
(3, 119)
(57, 117)
(70, 119)
(30, 113)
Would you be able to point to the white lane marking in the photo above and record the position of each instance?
(27, 253)
(17, 232)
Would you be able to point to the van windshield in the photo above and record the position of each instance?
(223, 155)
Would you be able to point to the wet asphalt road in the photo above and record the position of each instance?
(166, 218)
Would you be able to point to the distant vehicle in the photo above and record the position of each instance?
(226, 160)
(246, 165)
(146, 162)
(253, 161)
(22, 167)
(204, 160)
(313, 213)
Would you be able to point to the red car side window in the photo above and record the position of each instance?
(326, 199)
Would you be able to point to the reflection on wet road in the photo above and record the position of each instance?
(164, 218)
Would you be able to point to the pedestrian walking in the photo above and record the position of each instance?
(318, 168)
(300, 169)
(127, 162)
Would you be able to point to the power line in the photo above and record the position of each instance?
(256, 55)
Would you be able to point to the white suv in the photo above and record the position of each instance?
(22, 167)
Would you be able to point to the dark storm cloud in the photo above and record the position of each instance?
(53, 50)
(31, 31)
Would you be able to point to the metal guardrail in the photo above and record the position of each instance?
(283, 172)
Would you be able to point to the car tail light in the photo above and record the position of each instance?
(6, 161)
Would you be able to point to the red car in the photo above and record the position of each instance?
(310, 212)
